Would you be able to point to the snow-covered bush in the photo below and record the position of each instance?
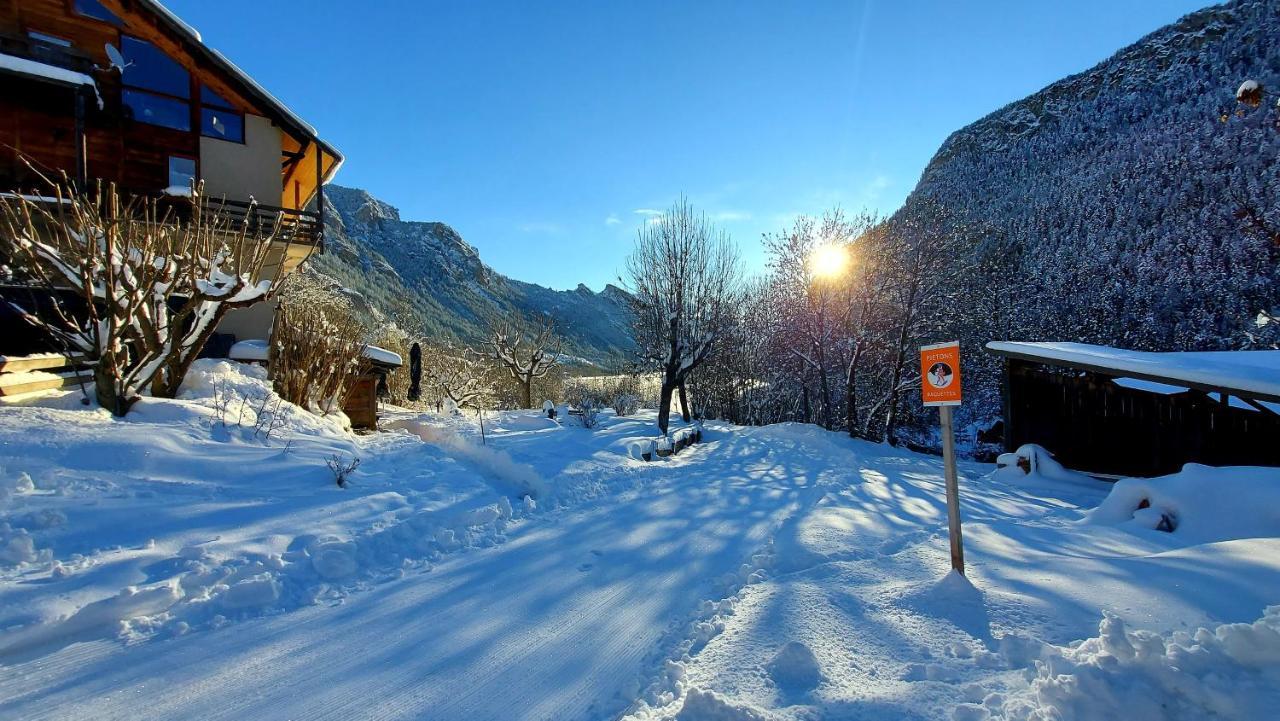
(590, 416)
(149, 286)
(625, 404)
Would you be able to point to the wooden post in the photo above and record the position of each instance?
(953, 489)
(82, 163)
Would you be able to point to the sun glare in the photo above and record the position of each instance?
(828, 261)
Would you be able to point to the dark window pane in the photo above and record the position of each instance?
(222, 125)
(156, 110)
(208, 97)
(181, 172)
(148, 67)
(94, 9)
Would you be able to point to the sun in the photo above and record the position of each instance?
(828, 261)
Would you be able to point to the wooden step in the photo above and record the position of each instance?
(13, 384)
(38, 362)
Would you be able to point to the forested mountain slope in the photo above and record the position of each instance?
(425, 269)
(1109, 206)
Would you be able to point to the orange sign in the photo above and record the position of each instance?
(940, 374)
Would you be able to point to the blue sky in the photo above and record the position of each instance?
(545, 131)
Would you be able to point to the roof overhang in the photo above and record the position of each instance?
(26, 68)
(1245, 374)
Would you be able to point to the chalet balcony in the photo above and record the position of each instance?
(297, 227)
(29, 48)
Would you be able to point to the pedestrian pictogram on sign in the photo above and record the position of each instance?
(940, 369)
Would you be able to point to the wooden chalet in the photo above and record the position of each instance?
(1110, 411)
(124, 91)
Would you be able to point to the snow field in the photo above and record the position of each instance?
(545, 572)
(117, 496)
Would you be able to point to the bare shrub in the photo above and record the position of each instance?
(341, 468)
(150, 285)
(626, 404)
(316, 354)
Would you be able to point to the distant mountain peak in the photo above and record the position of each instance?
(427, 269)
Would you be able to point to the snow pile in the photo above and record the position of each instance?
(1232, 671)
(1034, 460)
(520, 479)
(1200, 504)
(702, 705)
(230, 396)
(794, 669)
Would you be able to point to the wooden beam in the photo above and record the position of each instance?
(18, 364)
(14, 384)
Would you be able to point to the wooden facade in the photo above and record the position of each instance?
(93, 133)
(1091, 423)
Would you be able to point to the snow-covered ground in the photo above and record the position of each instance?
(178, 564)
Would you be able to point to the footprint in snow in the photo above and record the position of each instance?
(584, 567)
(597, 552)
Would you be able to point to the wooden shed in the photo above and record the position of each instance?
(1133, 413)
(361, 404)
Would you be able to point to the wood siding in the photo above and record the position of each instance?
(1092, 424)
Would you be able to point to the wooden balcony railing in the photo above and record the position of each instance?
(296, 226)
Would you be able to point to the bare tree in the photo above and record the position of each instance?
(684, 276)
(526, 348)
(150, 286)
(456, 374)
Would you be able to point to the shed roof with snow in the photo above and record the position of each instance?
(1246, 373)
(1124, 412)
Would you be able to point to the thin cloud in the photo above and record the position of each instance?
(647, 212)
(613, 219)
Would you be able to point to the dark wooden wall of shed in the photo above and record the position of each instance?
(1091, 424)
(361, 405)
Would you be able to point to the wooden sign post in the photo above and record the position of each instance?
(940, 386)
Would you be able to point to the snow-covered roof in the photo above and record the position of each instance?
(382, 355)
(1252, 373)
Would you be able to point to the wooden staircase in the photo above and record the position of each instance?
(42, 372)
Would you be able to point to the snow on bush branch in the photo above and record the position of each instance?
(134, 283)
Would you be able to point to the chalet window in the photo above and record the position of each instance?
(218, 119)
(182, 171)
(222, 124)
(149, 68)
(94, 9)
(158, 110)
(157, 89)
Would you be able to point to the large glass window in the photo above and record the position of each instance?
(157, 109)
(95, 10)
(156, 87)
(147, 67)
